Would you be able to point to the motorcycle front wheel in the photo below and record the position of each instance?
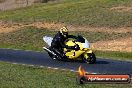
(91, 58)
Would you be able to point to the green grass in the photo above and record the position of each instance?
(18, 76)
(81, 12)
(125, 56)
(30, 38)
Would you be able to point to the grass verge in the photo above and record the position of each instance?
(17, 76)
(125, 56)
(30, 38)
(81, 12)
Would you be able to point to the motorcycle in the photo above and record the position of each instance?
(84, 54)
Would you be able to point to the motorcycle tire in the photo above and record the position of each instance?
(80, 80)
(91, 58)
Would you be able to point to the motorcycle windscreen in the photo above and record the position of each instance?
(48, 40)
(86, 44)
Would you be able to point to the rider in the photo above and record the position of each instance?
(58, 42)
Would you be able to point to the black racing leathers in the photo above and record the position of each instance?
(58, 43)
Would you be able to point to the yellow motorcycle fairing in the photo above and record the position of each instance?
(72, 54)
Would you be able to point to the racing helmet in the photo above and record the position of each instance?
(64, 31)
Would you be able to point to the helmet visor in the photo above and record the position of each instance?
(65, 33)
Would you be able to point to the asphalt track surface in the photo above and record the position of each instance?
(42, 59)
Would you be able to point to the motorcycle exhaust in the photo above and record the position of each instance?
(49, 51)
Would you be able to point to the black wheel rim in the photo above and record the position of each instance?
(91, 59)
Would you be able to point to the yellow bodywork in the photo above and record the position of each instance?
(72, 54)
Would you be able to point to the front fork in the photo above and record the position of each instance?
(86, 53)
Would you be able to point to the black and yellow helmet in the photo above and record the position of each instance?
(64, 31)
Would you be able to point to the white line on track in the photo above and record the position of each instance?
(41, 66)
(49, 67)
(32, 65)
(72, 70)
(23, 64)
(55, 68)
(14, 63)
(45, 66)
